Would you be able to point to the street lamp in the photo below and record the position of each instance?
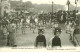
(76, 4)
(76, 8)
(68, 3)
(52, 12)
(52, 7)
(20, 6)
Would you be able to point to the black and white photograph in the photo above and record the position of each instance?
(40, 23)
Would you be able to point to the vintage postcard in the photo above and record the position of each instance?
(39, 25)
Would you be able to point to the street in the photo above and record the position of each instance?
(28, 39)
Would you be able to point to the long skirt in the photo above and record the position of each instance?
(11, 39)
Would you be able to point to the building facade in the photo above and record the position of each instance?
(5, 7)
(0, 7)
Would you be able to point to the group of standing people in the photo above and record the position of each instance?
(9, 26)
(70, 27)
(55, 41)
(8, 30)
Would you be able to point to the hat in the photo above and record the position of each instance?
(40, 30)
(58, 29)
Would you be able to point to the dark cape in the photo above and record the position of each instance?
(56, 41)
(40, 38)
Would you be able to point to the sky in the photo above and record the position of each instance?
(62, 2)
(46, 1)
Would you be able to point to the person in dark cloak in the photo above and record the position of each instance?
(55, 41)
(40, 39)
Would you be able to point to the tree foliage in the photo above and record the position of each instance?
(23, 5)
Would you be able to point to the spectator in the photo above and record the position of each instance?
(55, 41)
(40, 39)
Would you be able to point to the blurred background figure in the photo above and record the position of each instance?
(11, 37)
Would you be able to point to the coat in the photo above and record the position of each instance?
(1, 33)
(40, 39)
(56, 41)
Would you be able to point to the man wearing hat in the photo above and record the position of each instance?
(76, 32)
(40, 39)
(55, 40)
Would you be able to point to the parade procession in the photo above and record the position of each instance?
(50, 25)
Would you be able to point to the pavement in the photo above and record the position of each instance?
(28, 39)
(3, 41)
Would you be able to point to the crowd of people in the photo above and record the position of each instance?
(10, 24)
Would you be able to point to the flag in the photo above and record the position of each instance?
(76, 1)
(68, 2)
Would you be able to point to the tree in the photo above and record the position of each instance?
(27, 4)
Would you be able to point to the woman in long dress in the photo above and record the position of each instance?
(11, 36)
